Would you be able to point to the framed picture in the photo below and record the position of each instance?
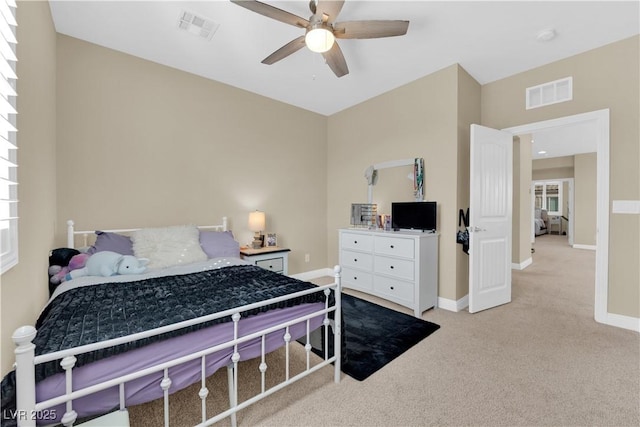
(270, 240)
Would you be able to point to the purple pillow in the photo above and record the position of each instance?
(219, 244)
(112, 242)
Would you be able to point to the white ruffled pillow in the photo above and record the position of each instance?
(168, 246)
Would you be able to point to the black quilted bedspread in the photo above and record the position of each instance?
(90, 314)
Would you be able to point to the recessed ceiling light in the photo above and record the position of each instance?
(546, 35)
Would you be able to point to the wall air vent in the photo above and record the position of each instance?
(197, 25)
(550, 93)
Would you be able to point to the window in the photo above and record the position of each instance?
(548, 195)
(8, 147)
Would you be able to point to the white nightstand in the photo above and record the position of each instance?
(556, 222)
(274, 258)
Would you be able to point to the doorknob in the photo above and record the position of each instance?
(476, 229)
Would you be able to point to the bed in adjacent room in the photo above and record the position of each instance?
(105, 343)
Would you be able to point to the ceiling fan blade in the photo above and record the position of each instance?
(273, 12)
(286, 50)
(335, 61)
(369, 29)
(329, 8)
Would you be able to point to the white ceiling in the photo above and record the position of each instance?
(490, 40)
(565, 141)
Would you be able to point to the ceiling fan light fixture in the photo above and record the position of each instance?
(319, 39)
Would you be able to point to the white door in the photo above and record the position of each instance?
(490, 218)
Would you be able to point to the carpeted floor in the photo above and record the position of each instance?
(539, 361)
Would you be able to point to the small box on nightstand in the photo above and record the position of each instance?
(272, 258)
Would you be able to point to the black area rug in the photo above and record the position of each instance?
(374, 335)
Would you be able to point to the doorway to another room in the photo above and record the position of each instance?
(598, 121)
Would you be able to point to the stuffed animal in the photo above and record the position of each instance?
(58, 274)
(107, 263)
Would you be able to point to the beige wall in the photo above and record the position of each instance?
(419, 119)
(468, 113)
(607, 77)
(141, 144)
(521, 224)
(585, 199)
(553, 168)
(24, 288)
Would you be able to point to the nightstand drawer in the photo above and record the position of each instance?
(273, 264)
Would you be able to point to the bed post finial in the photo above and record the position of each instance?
(70, 239)
(25, 373)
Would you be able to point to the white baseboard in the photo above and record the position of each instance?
(588, 247)
(524, 264)
(621, 321)
(314, 274)
(452, 305)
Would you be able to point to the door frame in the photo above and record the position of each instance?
(601, 119)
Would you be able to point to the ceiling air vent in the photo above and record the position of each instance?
(197, 25)
(550, 93)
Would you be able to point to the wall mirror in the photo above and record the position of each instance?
(395, 182)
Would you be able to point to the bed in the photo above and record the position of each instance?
(540, 221)
(105, 343)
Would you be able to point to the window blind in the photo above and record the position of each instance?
(8, 146)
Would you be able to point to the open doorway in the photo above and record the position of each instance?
(600, 121)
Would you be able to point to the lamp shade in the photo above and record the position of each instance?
(319, 39)
(256, 221)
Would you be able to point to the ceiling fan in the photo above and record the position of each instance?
(322, 30)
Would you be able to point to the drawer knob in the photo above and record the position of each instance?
(355, 242)
(391, 246)
(391, 267)
(355, 278)
(391, 287)
(355, 260)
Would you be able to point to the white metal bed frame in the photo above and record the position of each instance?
(26, 360)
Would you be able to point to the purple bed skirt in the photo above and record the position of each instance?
(147, 388)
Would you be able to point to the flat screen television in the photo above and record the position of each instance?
(414, 216)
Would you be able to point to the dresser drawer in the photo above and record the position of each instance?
(400, 268)
(394, 246)
(393, 289)
(273, 264)
(359, 242)
(357, 260)
(357, 279)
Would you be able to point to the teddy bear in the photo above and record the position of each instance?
(107, 263)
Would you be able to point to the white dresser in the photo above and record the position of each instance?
(401, 267)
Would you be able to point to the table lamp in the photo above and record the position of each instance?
(256, 224)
